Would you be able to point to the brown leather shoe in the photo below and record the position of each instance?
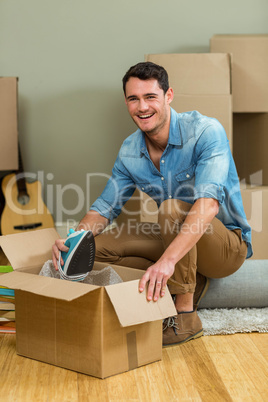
(202, 284)
(181, 328)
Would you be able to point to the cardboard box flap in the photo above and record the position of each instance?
(43, 286)
(29, 249)
(132, 307)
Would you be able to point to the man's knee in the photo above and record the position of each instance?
(104, 243)
(173, 208)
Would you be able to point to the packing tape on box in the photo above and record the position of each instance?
(132, 350)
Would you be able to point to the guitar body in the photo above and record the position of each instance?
(23, 213)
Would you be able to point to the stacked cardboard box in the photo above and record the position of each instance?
(200, 82)
(9, 123)
(250, 124)
(250, 102)
(249, 70)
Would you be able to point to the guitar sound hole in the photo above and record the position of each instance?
(23, 199)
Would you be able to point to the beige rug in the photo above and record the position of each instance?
(231, 321)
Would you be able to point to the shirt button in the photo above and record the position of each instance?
(187, 176)
(170, 196)
(142, 188)
(162, 178)
(163, 161)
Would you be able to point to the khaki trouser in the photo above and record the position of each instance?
(219, 253)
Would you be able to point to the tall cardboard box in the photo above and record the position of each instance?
(8, 123)
(100, 331)
(249, 69)
(251, 147)
(201, 81)
(255, 200)
(250, 102)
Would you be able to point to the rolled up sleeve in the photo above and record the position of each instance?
(212, 153)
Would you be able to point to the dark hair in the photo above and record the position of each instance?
(146, 71)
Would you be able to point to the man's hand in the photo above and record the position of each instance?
(157, 276)
(92, 221)
(59, 245)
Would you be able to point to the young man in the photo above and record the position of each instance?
(183, 161)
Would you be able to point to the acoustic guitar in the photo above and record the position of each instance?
(24, 208)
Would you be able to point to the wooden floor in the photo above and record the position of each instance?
(211, 368)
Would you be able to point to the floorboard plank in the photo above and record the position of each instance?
(203, 371)
(92, 388)
(151, 384)
(261, 341)
(123, 387)
(10, 368)
(225, 355)
(178, 376)
(63, 385)
(252, 361)
(33, 383)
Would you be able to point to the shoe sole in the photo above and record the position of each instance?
(83, 256)
(195, 336)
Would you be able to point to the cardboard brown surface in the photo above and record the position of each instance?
(249, 69)
(32, 248)
(134, 346)
(250, 147)
(43, 286)
(80, 326)
(8, 123)
(132, 307)
(217, 106)
(197, 73)
(61, 333)
(200, 82)
(255, 200)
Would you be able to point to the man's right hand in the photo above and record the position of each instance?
(58, 246)
(92, 221)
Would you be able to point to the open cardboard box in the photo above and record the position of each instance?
(100, 331)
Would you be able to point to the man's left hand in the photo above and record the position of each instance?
(157, 276)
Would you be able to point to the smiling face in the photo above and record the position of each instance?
(148, 106)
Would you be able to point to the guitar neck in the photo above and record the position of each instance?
(21, 182)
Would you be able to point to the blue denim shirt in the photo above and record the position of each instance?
(197, 163)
